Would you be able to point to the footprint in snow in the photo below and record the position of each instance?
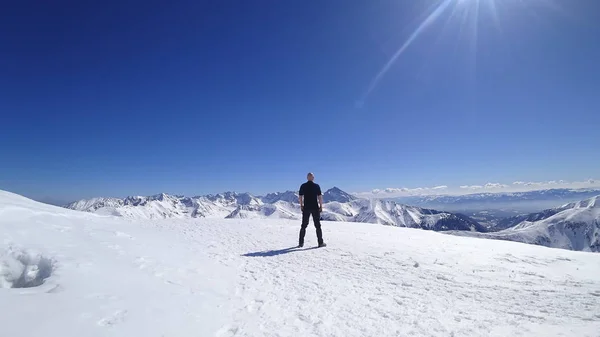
(254, 305)
(100, 296)
(113, 319)
(227, 331)
(123, 235)
(141, 262)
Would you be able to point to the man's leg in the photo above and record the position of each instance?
(317, 220)
(305, 218)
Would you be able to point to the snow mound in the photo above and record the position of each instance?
(23, 269)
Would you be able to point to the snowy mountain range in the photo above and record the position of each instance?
(338, 206)
(574, 226)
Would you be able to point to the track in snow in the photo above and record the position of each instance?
(409, 286)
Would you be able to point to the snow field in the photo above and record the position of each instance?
(241, 277)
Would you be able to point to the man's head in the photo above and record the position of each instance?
(310, 176)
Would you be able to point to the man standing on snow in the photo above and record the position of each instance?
(311, 203)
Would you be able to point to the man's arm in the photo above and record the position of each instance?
(320, 196)
(300, 195)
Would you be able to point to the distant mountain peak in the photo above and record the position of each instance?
(335, 189)
(336, 194)
(287, 196)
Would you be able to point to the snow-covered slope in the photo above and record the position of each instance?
(92, 205)
(394, 214)
(278, 210)
(574, 226)
(105, 276)
(278, 205)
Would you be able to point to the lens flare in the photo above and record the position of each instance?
(467, 15)
(428, 20)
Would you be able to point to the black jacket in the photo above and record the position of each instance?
(310, 191)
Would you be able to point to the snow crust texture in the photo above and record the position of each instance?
(243, 277)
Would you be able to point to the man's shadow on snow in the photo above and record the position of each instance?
(267, 253)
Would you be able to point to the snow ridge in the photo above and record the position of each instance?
(288, 196)
(94, 204)
(393, 214)
(573, 226)
(336, 194)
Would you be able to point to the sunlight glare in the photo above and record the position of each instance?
(464, 13)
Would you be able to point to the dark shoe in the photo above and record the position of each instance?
(322, 244)
(300, 245)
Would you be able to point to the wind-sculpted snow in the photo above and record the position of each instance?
(240, 277)
(23, 269)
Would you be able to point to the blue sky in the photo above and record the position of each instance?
(194, 97)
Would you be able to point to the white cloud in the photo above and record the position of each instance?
(394, 190)
(516, 186)
(495, 185)
(473, 187)
(556, 183)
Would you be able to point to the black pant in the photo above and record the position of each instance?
(306, 213)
